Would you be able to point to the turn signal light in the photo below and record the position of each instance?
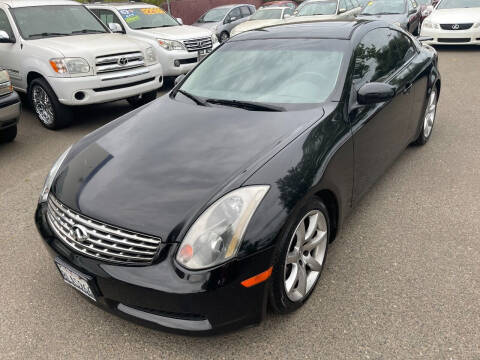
(257, 279)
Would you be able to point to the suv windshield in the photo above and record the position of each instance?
(458, 4)
(147, 18)
(37, 22)
(270, 72)
(318, 8)
(214, 15)
(385, 7)
(264, 14)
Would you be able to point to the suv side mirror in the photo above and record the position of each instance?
(341, 11)
(5, 38)
(374, 93)
(115, 28)
(180, 21)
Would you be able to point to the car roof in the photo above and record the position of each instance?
(230, 6)
(122, 5)
(335, 29)
(274, 8)
(26, 3)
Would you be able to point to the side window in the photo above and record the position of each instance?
(342, 5)
(356, 4)
(235, 13)
(5, 24)
(404, 48)
(107, 16)
(288, 11)
(252, 9)
(245, 11)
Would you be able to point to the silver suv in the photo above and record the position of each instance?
(221, 20)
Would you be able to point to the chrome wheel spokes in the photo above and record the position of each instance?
(305, 255)
(430, 114)
(42, 105)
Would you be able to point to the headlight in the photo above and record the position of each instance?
(70, 66)
(170, 44)
(150, 55)
(214, 39)
(216, 235)
(5, 84)
(51, 175)
(476, 26)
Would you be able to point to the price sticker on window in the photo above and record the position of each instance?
(152, 11)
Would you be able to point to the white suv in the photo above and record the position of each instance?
(61, 55)
(178, 47)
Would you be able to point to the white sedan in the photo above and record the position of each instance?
(267, 16)
(453, 22)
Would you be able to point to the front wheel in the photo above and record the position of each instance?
(9, 134)
(428, 119)
(300, 257)
(142, 99)
(224, 36)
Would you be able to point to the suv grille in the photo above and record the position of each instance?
(456, 26)
(198, 44)
(119, 62)
(95, 239)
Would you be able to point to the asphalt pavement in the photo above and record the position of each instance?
(402, 280)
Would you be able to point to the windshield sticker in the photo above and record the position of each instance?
(152, 11)
(131, 19)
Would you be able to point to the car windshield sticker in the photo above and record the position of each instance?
(152, 11)
(129, 15)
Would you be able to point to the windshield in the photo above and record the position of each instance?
(214, 15)
(37, 22)
(318, 8)
(424, 2)
(265, 14)
(458, 4)
(147, 18)
(269, 72)
(385, 7)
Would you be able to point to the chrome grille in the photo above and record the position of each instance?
(95, 239)
(198, 44)
(119, 62)
(456, 26)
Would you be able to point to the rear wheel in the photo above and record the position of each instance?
(142, 99)
(300, 258)
(429, 118)
(8, 134)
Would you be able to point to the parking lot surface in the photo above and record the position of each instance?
(402, 279)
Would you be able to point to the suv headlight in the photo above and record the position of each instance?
(214, 39)
(476, 26)
(5, 84)
(150, 55)
(51, 175)
(70, 66)
(216, 235)
(170, 44)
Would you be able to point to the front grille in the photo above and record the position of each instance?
(456, 26)
(198, 44)
(98, 240)
(454, 40)
(119, 62)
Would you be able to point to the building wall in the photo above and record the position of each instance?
(191, 10)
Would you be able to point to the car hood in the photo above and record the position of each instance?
(392, 19)
(91, 46)
(210, 25)
(184, 32)
(254, 24)
(152, 171)
(453, 16)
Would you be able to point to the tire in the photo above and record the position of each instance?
(51, 113)
(142, 99)
(428, 120)
(224, 36)
(9, 134)
(286, 293)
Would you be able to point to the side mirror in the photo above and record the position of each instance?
(232, 19)
(180, 21)
(341, 11)
(374, 93)
(179, 79)
(115, 28)
(5, 38)
(286, 16)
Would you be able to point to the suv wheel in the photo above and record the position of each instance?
(142, 99)
(224, 36)
(8, 134)
(51, 113)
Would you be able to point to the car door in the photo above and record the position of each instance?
(233, 18)
(10, 52)
(380, 131)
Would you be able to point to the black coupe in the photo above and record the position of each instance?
(197, 211)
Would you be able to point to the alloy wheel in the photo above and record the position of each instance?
(430, 114)
(305, 255)
(43, 105)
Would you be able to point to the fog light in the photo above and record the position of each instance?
(176, 63)
(80, 95)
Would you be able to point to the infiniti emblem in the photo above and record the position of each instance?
(78, 233)
(122, 61)
(455, 27)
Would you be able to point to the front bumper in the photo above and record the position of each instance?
(451, 37)
(108, 86)
(10, 109)
(178, 62)
(164, 295)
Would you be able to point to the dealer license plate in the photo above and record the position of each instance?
(76, 279)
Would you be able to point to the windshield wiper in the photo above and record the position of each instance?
(196, 99)
(247, 105)
(46, 34)
(88, 31)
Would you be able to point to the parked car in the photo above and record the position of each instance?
(61, 56)
(312, 10)
(263, 17)
(228, 201)
(221, 20)
(291, 4)
(178, 47)
(404, 13)
(453, 22)
(9, 108)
